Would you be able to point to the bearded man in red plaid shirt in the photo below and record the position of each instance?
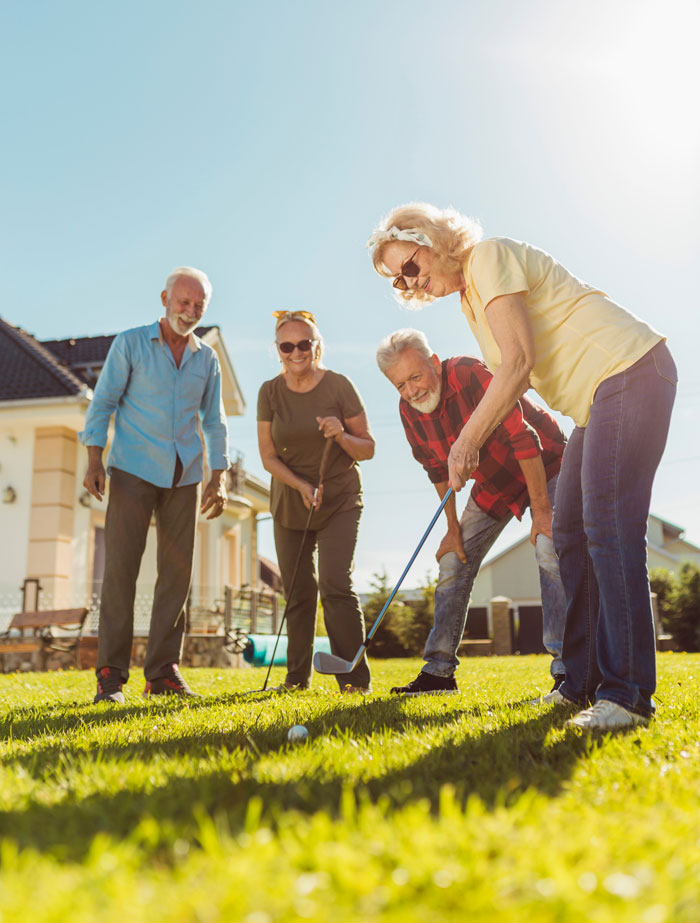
(518, 467)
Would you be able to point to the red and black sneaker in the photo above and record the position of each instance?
(109, 686)
(171, 683)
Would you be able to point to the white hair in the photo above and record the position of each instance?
(392, 347)
(191, 273)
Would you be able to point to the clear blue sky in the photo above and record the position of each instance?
(262, 141)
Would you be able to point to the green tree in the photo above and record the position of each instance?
(678, 598)
(405, 626)
(413, 629)
(385, 642)
(662, 582)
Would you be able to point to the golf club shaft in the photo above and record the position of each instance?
(408, 566)
(386, 605)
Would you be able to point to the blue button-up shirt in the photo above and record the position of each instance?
(156, 407)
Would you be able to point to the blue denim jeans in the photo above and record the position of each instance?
(600, 524)
(455, 581)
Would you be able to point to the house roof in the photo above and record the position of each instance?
(670, 533)
(85, 356)
(29, 370)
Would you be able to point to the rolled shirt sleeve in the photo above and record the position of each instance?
(213, 418)
(107, 393)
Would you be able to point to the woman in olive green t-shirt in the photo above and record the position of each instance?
(305, 405)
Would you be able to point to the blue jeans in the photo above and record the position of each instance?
(455, 581)
(600, 524)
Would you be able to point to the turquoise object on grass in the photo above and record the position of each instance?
(258, 650)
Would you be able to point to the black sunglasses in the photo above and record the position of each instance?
(410, 269)
(303, 345)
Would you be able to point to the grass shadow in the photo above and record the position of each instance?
(496, 764)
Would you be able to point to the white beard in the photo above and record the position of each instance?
(173, 325)
(429, 403)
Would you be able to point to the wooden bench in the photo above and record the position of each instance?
(36, 631)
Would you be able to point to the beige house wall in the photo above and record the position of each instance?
(52, 523)
(51, 518)
(514, 572)
(685, 551)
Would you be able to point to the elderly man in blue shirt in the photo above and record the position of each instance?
(157, 380)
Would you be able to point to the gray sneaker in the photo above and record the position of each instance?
(109, 686)
(606, 716)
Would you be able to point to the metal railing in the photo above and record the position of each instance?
(210, 610)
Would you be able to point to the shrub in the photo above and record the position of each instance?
(662, 582)
(405, 626)
(679, 603)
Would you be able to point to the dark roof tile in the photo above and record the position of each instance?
(29, 370)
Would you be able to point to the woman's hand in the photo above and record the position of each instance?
(309, 496)
(353, 437)
(331, 427)
(461, 462)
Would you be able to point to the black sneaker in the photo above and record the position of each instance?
(109, 686)
(170, 684)
(427, 684)
(558, 680)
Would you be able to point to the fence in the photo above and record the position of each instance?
(210, 610)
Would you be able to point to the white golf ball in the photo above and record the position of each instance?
(297, 734)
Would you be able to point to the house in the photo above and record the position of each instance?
(53, 530)
(514, 573)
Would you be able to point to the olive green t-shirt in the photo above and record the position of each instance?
(300, 446)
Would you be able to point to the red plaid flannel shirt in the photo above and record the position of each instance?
(527, 431)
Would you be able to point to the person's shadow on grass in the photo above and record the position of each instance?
(514, 751)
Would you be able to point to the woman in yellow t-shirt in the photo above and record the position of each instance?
(540, 327)
(301, 411)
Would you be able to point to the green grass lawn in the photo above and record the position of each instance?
(472, 806)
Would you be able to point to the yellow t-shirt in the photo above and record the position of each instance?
(581, 336)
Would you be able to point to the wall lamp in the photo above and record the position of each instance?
(9, 495)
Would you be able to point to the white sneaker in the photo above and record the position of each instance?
(555, 698)
(606, 716)
(285, 687)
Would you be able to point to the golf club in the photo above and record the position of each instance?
(321, 474)
(329, 663)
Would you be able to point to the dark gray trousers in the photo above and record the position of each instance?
(345, 623)
(132, 502)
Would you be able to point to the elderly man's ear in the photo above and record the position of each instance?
(436, 362)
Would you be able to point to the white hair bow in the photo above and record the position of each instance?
(411, 234)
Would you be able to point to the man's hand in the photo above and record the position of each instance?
(95, 477)
(214, 496)
(461, 462)
(452, 542)
(307, 492)
(541, 522)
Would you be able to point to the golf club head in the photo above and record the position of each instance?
(329, 663)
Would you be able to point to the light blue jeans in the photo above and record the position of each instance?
(454, 586)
